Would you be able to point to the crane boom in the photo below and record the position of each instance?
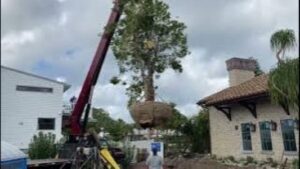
(84, 99)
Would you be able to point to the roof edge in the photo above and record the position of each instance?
(234, 100)
(203, 101)
(66, 86)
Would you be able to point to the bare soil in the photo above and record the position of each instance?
(196, 163)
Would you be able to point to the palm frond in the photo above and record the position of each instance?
(283, 39)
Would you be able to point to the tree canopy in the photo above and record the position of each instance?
(281, 41)
(147, 41)
(258, 71)
(117, 129)
(284, 83)
(177, 120)
(197, 131)
(284, 79)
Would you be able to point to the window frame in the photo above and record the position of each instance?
(246, 132)
(265, 136)
(290, 144)
(39, 89)
(45, 128)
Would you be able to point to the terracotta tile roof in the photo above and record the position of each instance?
(256, 86)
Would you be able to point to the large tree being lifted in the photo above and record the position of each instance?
(146, 43)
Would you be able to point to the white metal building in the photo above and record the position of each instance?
(29, 104)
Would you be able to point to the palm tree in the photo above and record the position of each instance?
(281, 41)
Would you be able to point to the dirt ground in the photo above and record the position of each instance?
(203, 163)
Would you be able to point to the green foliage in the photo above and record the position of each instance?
(129, 153)
(146, 43)
(281, 41)
(295, 164)
(274, 164)
(175, 144)
(231, 158)
(177, 120)
(249, 159)
(42, 146)
(258, 71)
(284, 83)
(117, 129)
(214, 157)
(197, 130)
(270, 160)
(115, 80)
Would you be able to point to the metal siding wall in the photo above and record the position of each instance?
(20, 110)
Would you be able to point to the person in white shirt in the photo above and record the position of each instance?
(154, 161)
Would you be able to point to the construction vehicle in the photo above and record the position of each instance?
(83, 147)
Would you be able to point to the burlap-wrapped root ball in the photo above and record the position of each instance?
(151, 114)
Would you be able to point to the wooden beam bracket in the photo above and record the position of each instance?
(251, 106)
(226, 110)
(285, 107)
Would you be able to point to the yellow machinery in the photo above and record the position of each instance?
(108, 159)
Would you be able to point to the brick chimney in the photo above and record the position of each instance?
(240, 70)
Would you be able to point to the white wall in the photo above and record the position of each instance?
(20, 110)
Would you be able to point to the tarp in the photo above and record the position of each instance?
(10, 152)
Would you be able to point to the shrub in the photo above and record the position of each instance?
(270, 160)
(231, 158)
(214, 157)
(195, 128)
(295, 164)
(42, 146)
(129, 153)
(249, 159)
(274, 164)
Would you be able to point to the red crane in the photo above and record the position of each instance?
(74, 147)
(85, 96)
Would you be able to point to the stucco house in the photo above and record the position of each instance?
(29, 104)
(244, 122)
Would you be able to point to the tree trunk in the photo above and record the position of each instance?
(149, 88)
(278, 56)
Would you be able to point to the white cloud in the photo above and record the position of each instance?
(61, 79)
(63, 19)
(63, 35)
(12, 40)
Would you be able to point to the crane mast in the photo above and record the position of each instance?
(85, 96)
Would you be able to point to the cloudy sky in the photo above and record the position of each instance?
(58, 38)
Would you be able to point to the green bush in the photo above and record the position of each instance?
(214, 157)
(129, 153)
(195, 128)
(42, 146)
(296, 164)
(249, 159)
(274, 164)
(231, 158)
(270, 160)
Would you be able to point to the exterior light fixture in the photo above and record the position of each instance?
(252, 127)
(273, 125)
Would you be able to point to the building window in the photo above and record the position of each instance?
(246, 136)
(265, 135)
(34, 89)
(288, 135)
(46, 123)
